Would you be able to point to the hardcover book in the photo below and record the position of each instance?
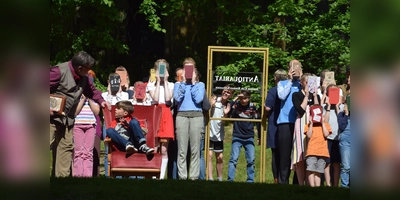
(316, 113)
(57, 103)
(161, 69)
(152, 75)
(334, 95)
(330, 78)
(313, 83)
(115, 82)
(188, 71)
(140, 91)
(123, 76)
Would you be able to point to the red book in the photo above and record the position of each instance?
(316, 113)
(188, 71)
(140, 91)
(334, 94)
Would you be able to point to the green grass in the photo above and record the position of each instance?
(241, 174)
(108, 188)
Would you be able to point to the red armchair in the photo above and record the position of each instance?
(137, 164)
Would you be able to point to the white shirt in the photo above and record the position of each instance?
(113, 99)
(161, 95)
(217, 131)
(333, 123)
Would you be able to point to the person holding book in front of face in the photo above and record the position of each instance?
(69, 79)
(161, 92)
(331, 177)
(113, 96)
(125, 87)
(302, 101)
(287, 118)
(344, 140)
(317, 148)
(189, 95)
(272, 107)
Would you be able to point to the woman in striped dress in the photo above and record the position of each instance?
(301, 101)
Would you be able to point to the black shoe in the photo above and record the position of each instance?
(145, 149)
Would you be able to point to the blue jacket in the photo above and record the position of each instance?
(288, 112)
(342, 121)
(189, 97)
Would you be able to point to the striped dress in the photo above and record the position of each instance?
(299, 140)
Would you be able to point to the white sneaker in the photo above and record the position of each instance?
(130, 149)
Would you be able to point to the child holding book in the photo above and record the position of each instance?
(317, 149)
(125, 130)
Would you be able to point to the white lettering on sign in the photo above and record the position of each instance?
(237, 79)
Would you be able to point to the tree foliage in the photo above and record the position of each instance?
(315, 32)
(86, 25)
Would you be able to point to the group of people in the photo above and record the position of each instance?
(299, 143)
(185, 106)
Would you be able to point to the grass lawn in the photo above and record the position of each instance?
(241, 174)
(107, 188)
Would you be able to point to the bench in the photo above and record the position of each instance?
(137, 164)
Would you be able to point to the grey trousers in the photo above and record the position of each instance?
(63, 148)
(188, 129)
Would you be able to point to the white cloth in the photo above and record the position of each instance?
(113, 99)
(161, 96)
(217, 131)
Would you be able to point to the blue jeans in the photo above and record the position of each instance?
(202, 175)
(136, 138)
(248, 145)
(105, 152)
(172, 159)
(344, 147)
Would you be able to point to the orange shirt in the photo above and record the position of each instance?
(317, 144)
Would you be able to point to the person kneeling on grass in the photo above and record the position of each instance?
(126, 132)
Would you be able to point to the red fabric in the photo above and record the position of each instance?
(138, 160)
(167, 123)
(114, 122)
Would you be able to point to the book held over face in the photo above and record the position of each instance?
(152, 75)
(330, 78)
(115, 82)
(140, 91)
(123, 76)
(316, 113)
(313, 83)
(334, 95)
(188, 71)
(161, 69)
